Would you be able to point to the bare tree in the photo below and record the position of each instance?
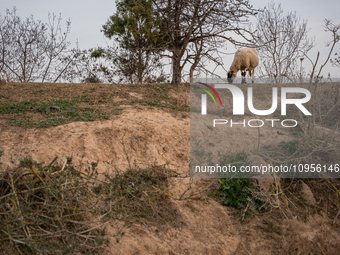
(21, 46)
(334, 29)
(283, 39)
(195, 24)
(33, 50)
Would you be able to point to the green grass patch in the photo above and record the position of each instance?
(58, 112)
(23, 106)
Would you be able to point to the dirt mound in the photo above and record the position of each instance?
(137, 137)
(143, 136)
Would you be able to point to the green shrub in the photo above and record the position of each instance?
(239, 193)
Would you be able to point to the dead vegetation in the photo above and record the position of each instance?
(51, 209)
(61, 208)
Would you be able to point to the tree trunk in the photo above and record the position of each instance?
(140, 66)
(176, 68)
(176, 73)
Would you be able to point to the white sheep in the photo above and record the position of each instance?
(244, 60)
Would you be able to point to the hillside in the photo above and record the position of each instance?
(148, 126)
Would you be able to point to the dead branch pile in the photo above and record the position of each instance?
(50, 209)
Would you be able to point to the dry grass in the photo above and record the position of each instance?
(50, 209)
(59, 209)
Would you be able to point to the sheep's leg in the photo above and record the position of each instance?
(251, 74)
(243, 73)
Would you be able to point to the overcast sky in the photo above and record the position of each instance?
(87, 18)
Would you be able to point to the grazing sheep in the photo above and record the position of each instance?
(244, 60)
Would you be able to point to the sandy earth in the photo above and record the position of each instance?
(148, 136)
(152, 136)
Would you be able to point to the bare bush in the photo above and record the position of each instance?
(283, 39)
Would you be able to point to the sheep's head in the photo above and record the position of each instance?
(231, 76)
